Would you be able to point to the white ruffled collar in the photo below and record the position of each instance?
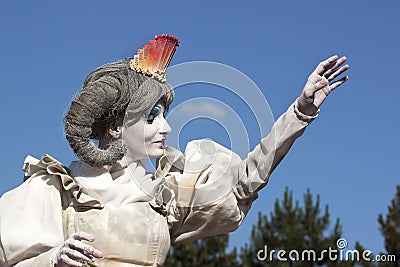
(125, 186)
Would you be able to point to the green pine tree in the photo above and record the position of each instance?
(210, 252)
(292, 227)
(362, 262)
(390, 229)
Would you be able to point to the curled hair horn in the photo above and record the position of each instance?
(97, 98)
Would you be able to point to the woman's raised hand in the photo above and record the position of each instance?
(74, 252)
(320, 83)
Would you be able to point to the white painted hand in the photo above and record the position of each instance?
(320, 83)
(75, 253)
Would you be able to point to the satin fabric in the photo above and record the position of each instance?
(135, 215)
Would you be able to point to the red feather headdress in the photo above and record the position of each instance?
(154, 58)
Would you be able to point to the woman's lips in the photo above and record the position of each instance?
(162, 141)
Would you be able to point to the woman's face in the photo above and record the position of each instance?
(145, 138)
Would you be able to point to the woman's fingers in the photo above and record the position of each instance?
(65, 260)
(336, 73)
(74, 251)
(82, 248)
(321, 82)
(333, 71)
(76, 256)
(326, 64)
(338, 82)
(324, 86)
(75, 242)
(326, 72)
(82, 236)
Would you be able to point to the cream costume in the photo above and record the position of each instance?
(134, 215)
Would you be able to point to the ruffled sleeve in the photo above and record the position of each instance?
(31, 229)
(213, 188)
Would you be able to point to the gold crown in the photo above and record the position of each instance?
(154, 58)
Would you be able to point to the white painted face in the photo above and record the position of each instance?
(145, 138)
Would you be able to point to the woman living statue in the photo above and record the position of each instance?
(105, 209)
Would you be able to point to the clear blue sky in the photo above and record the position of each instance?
(349, 155)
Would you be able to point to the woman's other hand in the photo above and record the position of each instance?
(75, 253)
(320, 83)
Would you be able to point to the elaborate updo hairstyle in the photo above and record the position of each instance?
(106, 95)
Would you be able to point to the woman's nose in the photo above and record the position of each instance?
(164, 127)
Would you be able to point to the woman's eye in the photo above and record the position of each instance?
(153, 113)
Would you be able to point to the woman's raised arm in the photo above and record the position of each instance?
(217, 195)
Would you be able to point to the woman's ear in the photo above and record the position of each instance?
(115, 130)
